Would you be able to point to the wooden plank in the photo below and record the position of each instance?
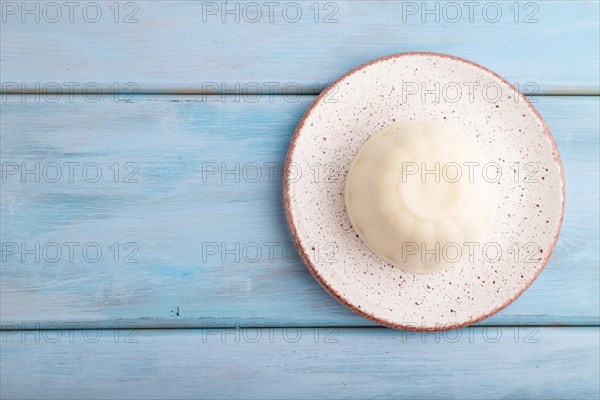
(275, 364)
(186, 46)
(180, 218)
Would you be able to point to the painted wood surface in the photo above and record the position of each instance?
(187, 46)
(472, 363)
(189, 213)
(173, 199)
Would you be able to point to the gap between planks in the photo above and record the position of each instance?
(199, 92)
(319, 326)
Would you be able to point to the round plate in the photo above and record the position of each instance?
(523, 159)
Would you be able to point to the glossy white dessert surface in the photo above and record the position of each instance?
(419, 193)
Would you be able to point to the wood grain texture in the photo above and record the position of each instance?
(186, 47)
(172, 202)
(472, 363)
(180, 209)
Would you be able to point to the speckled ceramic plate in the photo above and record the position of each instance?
(495, 116)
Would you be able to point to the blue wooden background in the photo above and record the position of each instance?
(195, 99)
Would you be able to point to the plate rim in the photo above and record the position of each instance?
(303, 252)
